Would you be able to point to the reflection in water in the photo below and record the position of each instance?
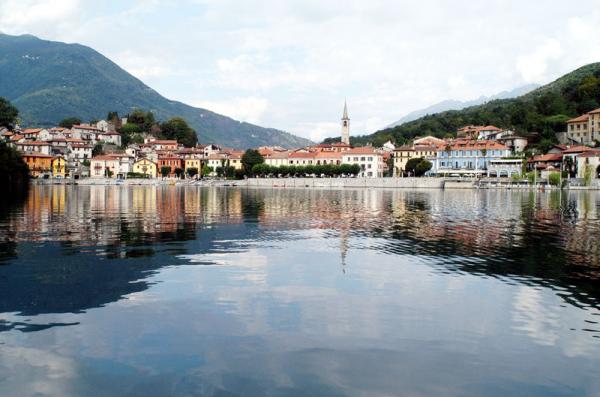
(195, 291)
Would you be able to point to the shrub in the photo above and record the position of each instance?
(554, 178)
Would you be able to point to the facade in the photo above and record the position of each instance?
(277, 159)
(38, 163)
(370, 161)
(404, 153)
(59, 167)
(105, 166)
(505, 167)
(589, 160)
(192, 163)
(146, 167)
(468, 157)
(41, 147)
(584, 129)
(516, 144)
(171, 161)
(301, 158)
(332, 158)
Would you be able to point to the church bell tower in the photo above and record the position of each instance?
(345, 126)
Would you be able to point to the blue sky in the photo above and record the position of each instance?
(290, 64)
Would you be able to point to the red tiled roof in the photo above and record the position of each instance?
(595, 111)
(86, 127)
(579, 119)
(361, 150)
(578, 149)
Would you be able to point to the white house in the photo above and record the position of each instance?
(467, 157)
(370, 161)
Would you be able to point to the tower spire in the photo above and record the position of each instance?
(345, 125)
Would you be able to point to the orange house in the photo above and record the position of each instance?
(38, 163)
(171, 161)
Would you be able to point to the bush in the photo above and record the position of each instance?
(136, 175)
(554, 178)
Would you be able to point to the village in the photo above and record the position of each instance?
(95, 151)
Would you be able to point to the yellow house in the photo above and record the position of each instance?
(404, 153)
(59, 167)
(146, 167)
(38, 163)
(193, 163)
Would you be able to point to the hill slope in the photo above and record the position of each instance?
(48, 81)
(543, 110)
(452, 104)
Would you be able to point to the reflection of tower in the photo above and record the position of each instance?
(345, 126)
(344, 246)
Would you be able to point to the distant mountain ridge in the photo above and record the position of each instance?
(48, 81)
(539, 114)
(452, 104)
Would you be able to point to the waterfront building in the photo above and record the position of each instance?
(301, 157)
(505, 167)
(169, 160)
(328, 157)
(277, 159)
(589, 159)
(405, 153)
(104, 166)
(59, 167)
(584, 129)
(467, 157)
(370, 161)
(192, 162)
(38, 163)
(146, 167)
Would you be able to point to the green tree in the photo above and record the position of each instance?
(98, 149)
(8, 114)
(177, 128)
(69, 122)
(250, 158)
(179, 172)
(192, 172)
(14, 172)
(165, 171)
(207, 170)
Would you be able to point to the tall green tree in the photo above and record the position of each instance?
(250, 158)
(177, 128)
(8, 114)
(69, 122)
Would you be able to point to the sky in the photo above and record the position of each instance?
(291, 64)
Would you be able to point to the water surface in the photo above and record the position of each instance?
(187, 291)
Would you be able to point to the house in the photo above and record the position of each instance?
(36, 134)
(86, 132)
(331, 158)
(589, 160)
(430, 141)
(42, 147)
(104, 166)
(59, 167)
(505, 167)
(277, 159)
(170, 161)
(369, 160)
(38, 163)
(405, 153)
(110, 137)
(515, 143)
(80, 150)
(480, 132)
(584, 129)
(192, 162)
(170, 145)
(146, 167)
(545, 161)
(468, 157)
(235, 160)
(301, 157)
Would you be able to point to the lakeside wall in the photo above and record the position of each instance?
(328, 183)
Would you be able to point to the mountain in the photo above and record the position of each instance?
(49, 81)
(452, 104)
(540, 113)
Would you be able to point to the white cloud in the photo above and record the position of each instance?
(289, 65)
(22, 16)
(533, 67)
(249, 109)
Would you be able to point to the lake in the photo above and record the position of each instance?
(189, 291)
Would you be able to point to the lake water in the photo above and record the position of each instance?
(186, 291)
